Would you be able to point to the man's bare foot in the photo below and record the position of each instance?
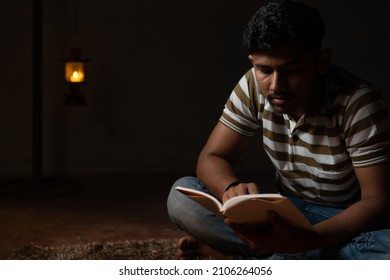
(192, 248)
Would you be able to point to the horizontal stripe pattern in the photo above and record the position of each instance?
(316, 159)
(240, 109)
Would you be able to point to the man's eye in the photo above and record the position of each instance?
(265, 71)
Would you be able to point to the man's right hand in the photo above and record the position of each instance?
(240, 189)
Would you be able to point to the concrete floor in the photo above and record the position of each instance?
(115, 208)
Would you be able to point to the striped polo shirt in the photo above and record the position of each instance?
(347, 127)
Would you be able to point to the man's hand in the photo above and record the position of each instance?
(241, 189)
(279, 237)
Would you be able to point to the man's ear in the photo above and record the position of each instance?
(250, 58)
(324, 61)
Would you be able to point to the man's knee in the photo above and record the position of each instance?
(187, 182)
(177, 202)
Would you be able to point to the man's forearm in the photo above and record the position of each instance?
(215, 163)
(215, 173)
(364, 215)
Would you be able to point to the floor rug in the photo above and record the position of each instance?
(164, 249)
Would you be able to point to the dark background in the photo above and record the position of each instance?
(159, 75)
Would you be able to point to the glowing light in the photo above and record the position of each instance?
(74, 72)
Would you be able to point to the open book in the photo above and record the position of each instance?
(250, 208)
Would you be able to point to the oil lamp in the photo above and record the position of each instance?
(75, 77)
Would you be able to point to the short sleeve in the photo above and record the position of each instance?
(243, 109)
(367, 128)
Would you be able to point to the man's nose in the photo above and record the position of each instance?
(275, 82)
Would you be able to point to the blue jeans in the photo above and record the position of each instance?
(211, 229)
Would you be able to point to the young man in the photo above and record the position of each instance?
(327, 133)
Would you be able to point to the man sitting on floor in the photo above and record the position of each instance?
(325, 130)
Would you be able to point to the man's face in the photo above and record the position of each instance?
(288, 78)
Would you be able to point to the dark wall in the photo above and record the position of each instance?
(159, 75)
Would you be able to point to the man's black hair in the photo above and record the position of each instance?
(284, 23)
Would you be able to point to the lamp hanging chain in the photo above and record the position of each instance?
(76, 18)
(74, 39)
